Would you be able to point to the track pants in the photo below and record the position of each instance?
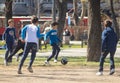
(9, 48)
(55, 52)
(28, 47)
(20, 45)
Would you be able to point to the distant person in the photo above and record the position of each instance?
(66, 32)
(47, 28)
(20, 45)
(72, 37)
(66, 37)
(54, 41)
(30, 34)
(109, 43)
(9, 36)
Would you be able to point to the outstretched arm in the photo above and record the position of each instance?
(38, 34)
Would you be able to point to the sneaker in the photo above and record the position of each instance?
(99, 73)
(112, 71)
(30, 69)
(5, 63)
(55, 61)
(47, 63)
(19, 71)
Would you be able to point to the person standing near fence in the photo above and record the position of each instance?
(9, 36)
(109, 44)
(30, 34)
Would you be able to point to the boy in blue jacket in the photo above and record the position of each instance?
(54, 41)
(9, 36)
(109, 43)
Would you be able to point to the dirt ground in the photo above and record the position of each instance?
(57, 74)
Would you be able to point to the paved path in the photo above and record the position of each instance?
(71, 52)
(67, 52)
(74, 52)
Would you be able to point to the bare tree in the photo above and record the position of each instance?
(8, 10)
(84, 8)
(62, 8)
(76, 17)
(114, 19)
(94, 33)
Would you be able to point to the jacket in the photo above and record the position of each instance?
(109, 39)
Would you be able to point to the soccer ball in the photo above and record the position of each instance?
(64, 61)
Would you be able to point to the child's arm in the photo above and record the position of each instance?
(23, 32)
(15, 34)
(38, 33)
(4, 35)
(46, 35)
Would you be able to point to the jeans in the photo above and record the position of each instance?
(55, 52)
(20, 45)
(9, 48)
(28, 47)
(102, 60)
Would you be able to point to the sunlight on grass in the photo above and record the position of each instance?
(72, 61)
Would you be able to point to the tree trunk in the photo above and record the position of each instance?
(84, 8)
(94, 33)
(76, 12)
(62, 8)
(8, 10)
(54, 11)
(115, 24)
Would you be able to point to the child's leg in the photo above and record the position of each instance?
(53, 53)
(112, 65)
(33, 55)
(102, 59)
(25, 54)
(57, 51)
(8, 49)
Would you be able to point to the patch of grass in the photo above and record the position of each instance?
(2, 51)
(72, 61)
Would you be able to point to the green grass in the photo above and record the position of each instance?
(72, 61)
(2, 51)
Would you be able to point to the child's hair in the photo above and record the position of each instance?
(54, 23)
(34, 19)
(46, 24)
(108, 23)
(10, 20)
